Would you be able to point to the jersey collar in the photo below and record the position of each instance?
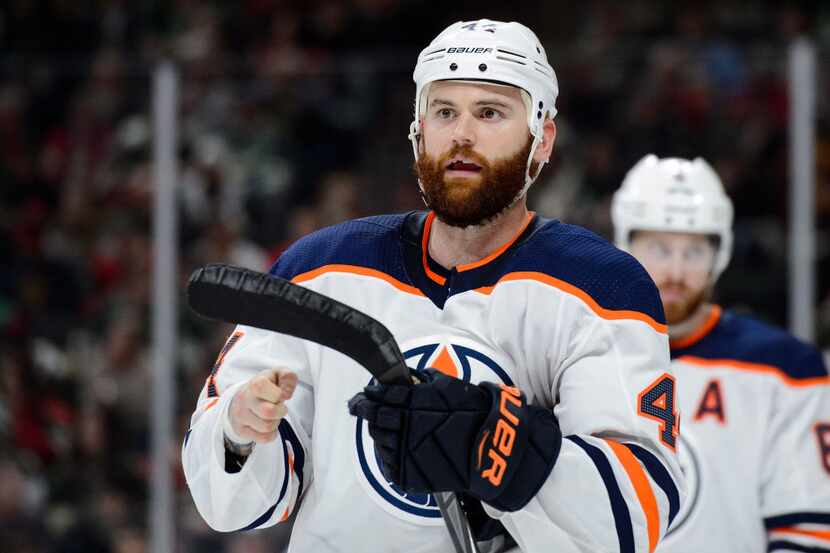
(700, 332)
(439, 283)
(433, 270)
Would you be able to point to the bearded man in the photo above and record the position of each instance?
(755, 446)
(540, 353)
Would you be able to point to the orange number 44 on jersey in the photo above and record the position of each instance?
(657, 402)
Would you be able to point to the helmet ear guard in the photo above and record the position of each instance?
(494, 52)
(674, 195)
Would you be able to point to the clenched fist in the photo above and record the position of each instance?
(257, 409)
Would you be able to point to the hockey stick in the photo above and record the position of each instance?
(261, 300)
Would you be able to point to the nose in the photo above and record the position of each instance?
(464, 132)
(677, 267)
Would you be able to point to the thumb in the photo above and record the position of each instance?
(285, 379)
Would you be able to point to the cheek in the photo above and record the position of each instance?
(501, 141)
(434, 143)
(697, 280)
(655, 271)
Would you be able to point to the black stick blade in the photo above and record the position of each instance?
(237, 295)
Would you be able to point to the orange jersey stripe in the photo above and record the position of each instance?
(501, 250)
(700, 332)
(643, 489)
(357, 270)
(435, 277)
(819, 534)
(756, 368)
(291, 472)
(569, 288)
(211, 381)
(469, 266)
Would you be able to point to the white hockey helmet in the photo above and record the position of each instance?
(489, 51)
(674, 195)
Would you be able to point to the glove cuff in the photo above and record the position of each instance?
(544, 443)
(515, 438)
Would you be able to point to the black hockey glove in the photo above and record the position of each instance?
(448, 435)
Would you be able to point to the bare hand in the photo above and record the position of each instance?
(257, 409)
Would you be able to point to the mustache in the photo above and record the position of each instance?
(674, 286)
(466, 151)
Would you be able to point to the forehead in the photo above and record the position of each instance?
(672, 238)
(466, 91)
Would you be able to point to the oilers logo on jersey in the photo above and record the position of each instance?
(458, 357)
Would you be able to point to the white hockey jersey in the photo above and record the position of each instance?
(572, 321)
(755, 442)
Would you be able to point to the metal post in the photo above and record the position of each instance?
(802, 208)
(161, 513)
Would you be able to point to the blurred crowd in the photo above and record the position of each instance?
(293, 116)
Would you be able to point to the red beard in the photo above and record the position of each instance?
(472, 201)
(678, 311)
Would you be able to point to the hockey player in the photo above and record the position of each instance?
(541, 350)
(755, 445)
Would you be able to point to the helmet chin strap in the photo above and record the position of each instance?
(537, 139)
(529, 179)
(414, 136)
(415, 129)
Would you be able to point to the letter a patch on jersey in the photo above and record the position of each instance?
(711, 403)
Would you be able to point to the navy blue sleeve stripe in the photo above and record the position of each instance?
(187, 436)
(782, 545)
(267, 514)
(660, 475)
(261, 520)
(288, 436)
(791, 519)
(622, 517)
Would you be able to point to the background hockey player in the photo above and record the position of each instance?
(549, 396)
(755, 445)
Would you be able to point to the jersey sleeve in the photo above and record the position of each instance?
(616, 484)
(270, 483)
(795, 493)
